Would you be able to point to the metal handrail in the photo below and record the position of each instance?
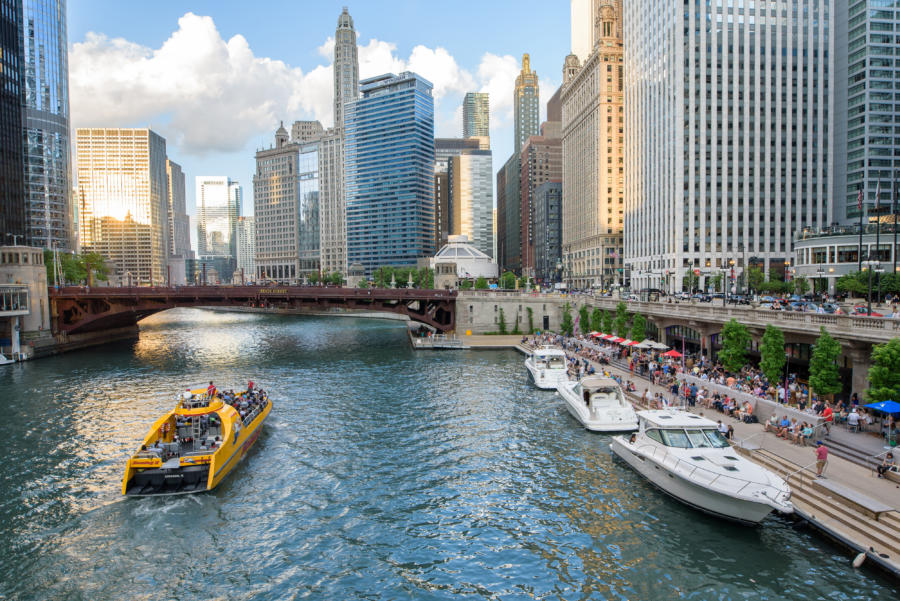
(743, 440)
(801, 470)
(874, 464)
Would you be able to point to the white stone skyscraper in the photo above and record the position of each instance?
(728, 135)
(331, 150)
(346, 66)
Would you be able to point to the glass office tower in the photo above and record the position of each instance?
(12, 205)
(48, 212)
(389, 172)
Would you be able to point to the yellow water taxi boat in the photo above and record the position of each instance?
(196, 445)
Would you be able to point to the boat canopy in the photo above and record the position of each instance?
(595, 383)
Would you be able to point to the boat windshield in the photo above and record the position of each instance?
(687, 439)
(605, 396)
(556, 362)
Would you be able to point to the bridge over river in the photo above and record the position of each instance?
(81, 310)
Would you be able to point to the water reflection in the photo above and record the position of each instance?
(381, 474)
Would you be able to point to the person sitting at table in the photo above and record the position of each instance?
(771, 424)
(853, 419)
(783, 427)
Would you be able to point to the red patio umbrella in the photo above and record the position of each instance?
(633, 342)
(607, 337)
(618, 340)
(673, 353)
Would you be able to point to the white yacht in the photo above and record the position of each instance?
(547, 366)
(687, 457)
(599, 404)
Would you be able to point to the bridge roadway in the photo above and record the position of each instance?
(708, 318)
(78, 310)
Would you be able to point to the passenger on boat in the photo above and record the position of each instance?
(211, 390)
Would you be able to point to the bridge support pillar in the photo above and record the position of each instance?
(861, 358)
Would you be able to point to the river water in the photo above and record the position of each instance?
(382, 474)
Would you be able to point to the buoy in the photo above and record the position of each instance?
(858, 561)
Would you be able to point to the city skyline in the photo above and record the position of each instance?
(101, 34)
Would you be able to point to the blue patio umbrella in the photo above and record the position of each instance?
(886, 407)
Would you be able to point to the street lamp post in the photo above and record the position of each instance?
(870, 265)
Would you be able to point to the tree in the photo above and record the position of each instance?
(755, 278)
(607, 322)
(530, 320)
(481, 283)
(524, 282)
(691, 281)
(597, 320)
(508, 280)
(735, 339)
(716, 281)
(75, 267)
(567, 326)
(852, 284)
(824, 377)
(313, 278)
(363, 283)
(337, 278)
(620, 325)
(771, 351)
(502, 323)
(638, 327)
(884, 375)
(801, 285)
(382, 276)
(516, 329)
(584, 319)
(465, 285)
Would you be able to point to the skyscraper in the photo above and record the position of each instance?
(592, 150)
(444, 150)
(346, 66)
(331, 150)
(46, 120)
(179, 222)
(867, 113)
(547, 231)
(509, 215)
(218, 208)
(586, 26)
(728, 136)
(471, 198)
(389, 171)
(526, 104)
(246, 250)
(12, 197)
(122, 200)
(286, 210)
(539, 162)
(476, 115)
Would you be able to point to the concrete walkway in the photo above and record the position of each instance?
(838, 469)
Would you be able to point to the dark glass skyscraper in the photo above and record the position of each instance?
(12, 203)
(389, 170)
(48, 214)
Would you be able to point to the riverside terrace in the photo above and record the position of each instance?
(478, 312)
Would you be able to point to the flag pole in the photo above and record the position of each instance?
(878, 236)
(859, 251)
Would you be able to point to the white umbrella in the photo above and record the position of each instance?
(646, 344)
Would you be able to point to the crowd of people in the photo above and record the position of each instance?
(663, 371)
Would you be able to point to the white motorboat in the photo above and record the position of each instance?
(687, 457)
(599, 404)
(547, 367)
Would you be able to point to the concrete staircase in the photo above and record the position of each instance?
(881, 536)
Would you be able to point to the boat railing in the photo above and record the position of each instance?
(743, 442)
(716, 477)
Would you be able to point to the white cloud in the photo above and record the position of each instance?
(208, 94)
(497, 75)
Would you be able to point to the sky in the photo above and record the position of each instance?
(215, 78)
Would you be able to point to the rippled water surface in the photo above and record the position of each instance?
(382, 474)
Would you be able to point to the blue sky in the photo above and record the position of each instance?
(216, 77)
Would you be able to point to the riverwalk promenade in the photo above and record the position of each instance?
(850, 504)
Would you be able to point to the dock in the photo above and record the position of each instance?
(850, 506)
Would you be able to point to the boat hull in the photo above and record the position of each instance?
(706, 500)
(580, 412)
(208, 474)
(549, 380)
